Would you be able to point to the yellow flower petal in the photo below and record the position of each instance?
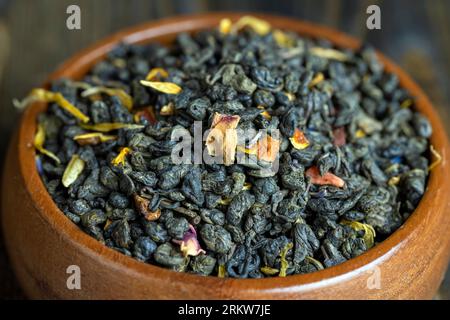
(328, 53)
(225, 26)
(73, 170)
(92, 138)
(316, 80)
(58, 98)
(155, 72)
(260, 26)
(39, 140)
(124, 97)
(121, 157)
(282, 39)
(165, 87)
(107, 127)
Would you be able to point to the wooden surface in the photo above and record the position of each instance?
(34, 40)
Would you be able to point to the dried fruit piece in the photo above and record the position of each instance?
(190, 245)
(222, 139)
(107, 127)
(260, 26)
(165, 87)
(298, 140)
(39, 140)
(58, 98)
(225, 26)
(142, 206)
(92, 138)
(265, 149)
(124, 97)
(339, 137)
(73, 170)
(327, 179)
(156, 73)
(121, 157)
(369, 231)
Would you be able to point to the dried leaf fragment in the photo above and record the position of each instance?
(124, 97)
(93, 138)
(156, 73)
(327, 179)
(298, 140)
(73, 170)
(58, 98)
(39, 140)
(107, 127)
(268, 271)
(222, 139)
(164, 87)
(190, 246)
(369, 231)
(221, 271)
(121, 157)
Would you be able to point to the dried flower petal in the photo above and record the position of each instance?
(73, 170)
(147, 114)
(92, 138)
(360, 134)
(165, 87)
(318, 78)
(282, 39)
(221, 271)
(190, 245)
(155, 73)
(406, 103)
(369, 231)
(327, 179)
(265, 149)
(268, 271)
(438, 157)
(58, 98)
(107, 127)
(298, 140)
(39, 140)
(284, 262)
(339, 137)
(143, 207)
(266, 115)
(329, 53)
(225, 26)
(247, 186)
(167, 110)
(260, 26)
(121, 157)
(222, 139)
(394, 181)
(124, 97)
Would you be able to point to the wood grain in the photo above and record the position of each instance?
(34, 40)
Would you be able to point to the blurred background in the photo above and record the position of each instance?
(34, 40)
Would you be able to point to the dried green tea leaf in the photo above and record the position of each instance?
(284, 262)
(369, 231)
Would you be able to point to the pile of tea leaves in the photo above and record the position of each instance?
(337, 156)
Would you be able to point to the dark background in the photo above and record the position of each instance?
(34, 40)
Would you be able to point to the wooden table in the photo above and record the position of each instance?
(34, 39)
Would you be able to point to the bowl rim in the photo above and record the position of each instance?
(151, 32)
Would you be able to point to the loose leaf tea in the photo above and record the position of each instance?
(240, 151)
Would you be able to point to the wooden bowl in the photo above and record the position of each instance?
(42, 243)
